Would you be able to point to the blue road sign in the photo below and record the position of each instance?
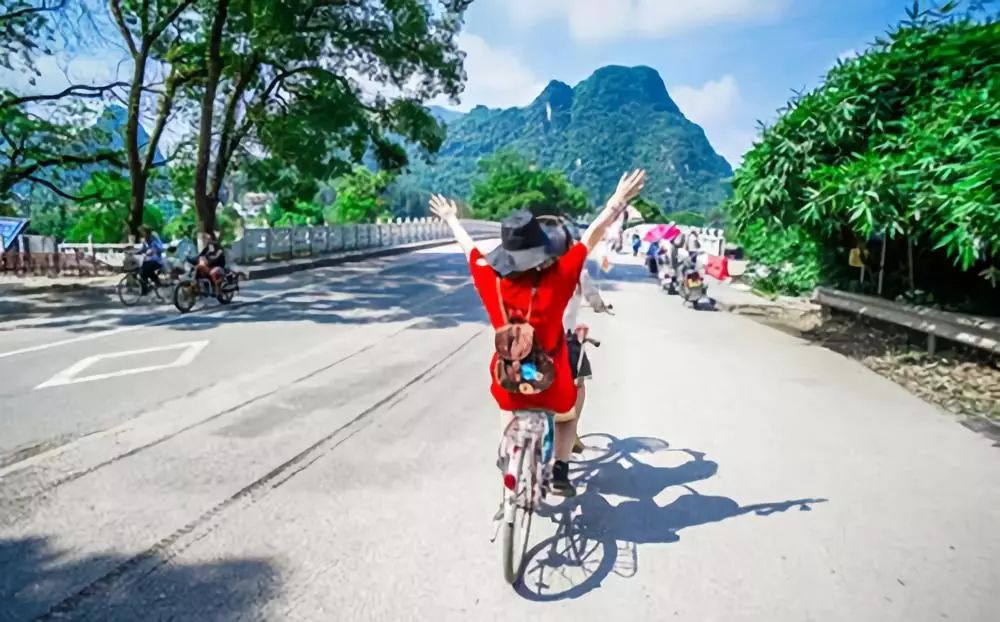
(10, 228)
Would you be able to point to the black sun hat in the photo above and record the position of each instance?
(523, 245)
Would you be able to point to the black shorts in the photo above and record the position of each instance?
(581, 369)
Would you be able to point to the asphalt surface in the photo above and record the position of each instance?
(325, 451)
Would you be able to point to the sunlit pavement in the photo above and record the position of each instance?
(326, 453)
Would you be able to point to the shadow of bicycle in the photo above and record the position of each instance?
(619, 506)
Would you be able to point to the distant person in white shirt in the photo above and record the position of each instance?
(693, 243)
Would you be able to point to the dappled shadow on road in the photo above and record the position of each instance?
(625, 500)
(38, 581)
(435, 288)
(437, 291)
(55, 304)
(347, 294)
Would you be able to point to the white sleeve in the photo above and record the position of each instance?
(572, 311)
(591, 293)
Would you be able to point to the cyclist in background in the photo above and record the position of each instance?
(152, 258)
(526, 278)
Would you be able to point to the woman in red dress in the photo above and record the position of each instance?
(526, 276)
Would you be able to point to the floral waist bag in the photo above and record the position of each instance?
(522, 365)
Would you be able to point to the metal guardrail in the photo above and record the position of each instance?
(970, 330)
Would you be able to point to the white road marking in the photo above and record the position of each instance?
(189, 350)
(131, 424)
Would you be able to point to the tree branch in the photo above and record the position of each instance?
(166, 105)
(230, 139)
(116, 11)
(16, 149)
(59, 191)
(168, 19)
(76, 90)
(29, 10)
(94, 158)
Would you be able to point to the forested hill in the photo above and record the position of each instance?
(618, 118)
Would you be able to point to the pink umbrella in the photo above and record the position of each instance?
(661, 232)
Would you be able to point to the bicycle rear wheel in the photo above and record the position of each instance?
(518, 505)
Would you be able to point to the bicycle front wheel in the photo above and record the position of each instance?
(518, 505)
(185, 295)
(129, 289)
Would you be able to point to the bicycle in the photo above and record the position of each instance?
(526, 451)
(132, 288)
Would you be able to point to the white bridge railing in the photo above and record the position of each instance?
(289, 242)
(40, 254)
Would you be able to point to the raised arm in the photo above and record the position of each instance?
(447, 210)
(629, 187)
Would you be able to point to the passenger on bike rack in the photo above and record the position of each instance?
(564, 234)
(525, 286)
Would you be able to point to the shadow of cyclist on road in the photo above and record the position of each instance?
(599, 530)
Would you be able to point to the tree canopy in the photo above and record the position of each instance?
(312, 84)
(902, 141)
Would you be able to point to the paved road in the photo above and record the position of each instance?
(327, 454)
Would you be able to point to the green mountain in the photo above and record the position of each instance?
(619, 118)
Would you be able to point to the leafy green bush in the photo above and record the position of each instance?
(791, 258)
(360, 196)
(103, 216)
(691, 219)
(649, 210)
(509, 183)
(903, 140)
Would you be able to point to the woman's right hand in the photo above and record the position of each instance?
(629, 187)
(443, 208)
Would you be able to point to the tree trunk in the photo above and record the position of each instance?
(205, 199)
(136, 173)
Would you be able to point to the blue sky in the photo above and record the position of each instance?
(727, 63)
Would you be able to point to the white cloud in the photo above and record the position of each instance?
(716, 107)
(496, 77)
(609, 20)
(57, 73)
(712, 102)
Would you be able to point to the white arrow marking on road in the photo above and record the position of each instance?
(189, 350)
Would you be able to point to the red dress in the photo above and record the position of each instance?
(556, 286)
